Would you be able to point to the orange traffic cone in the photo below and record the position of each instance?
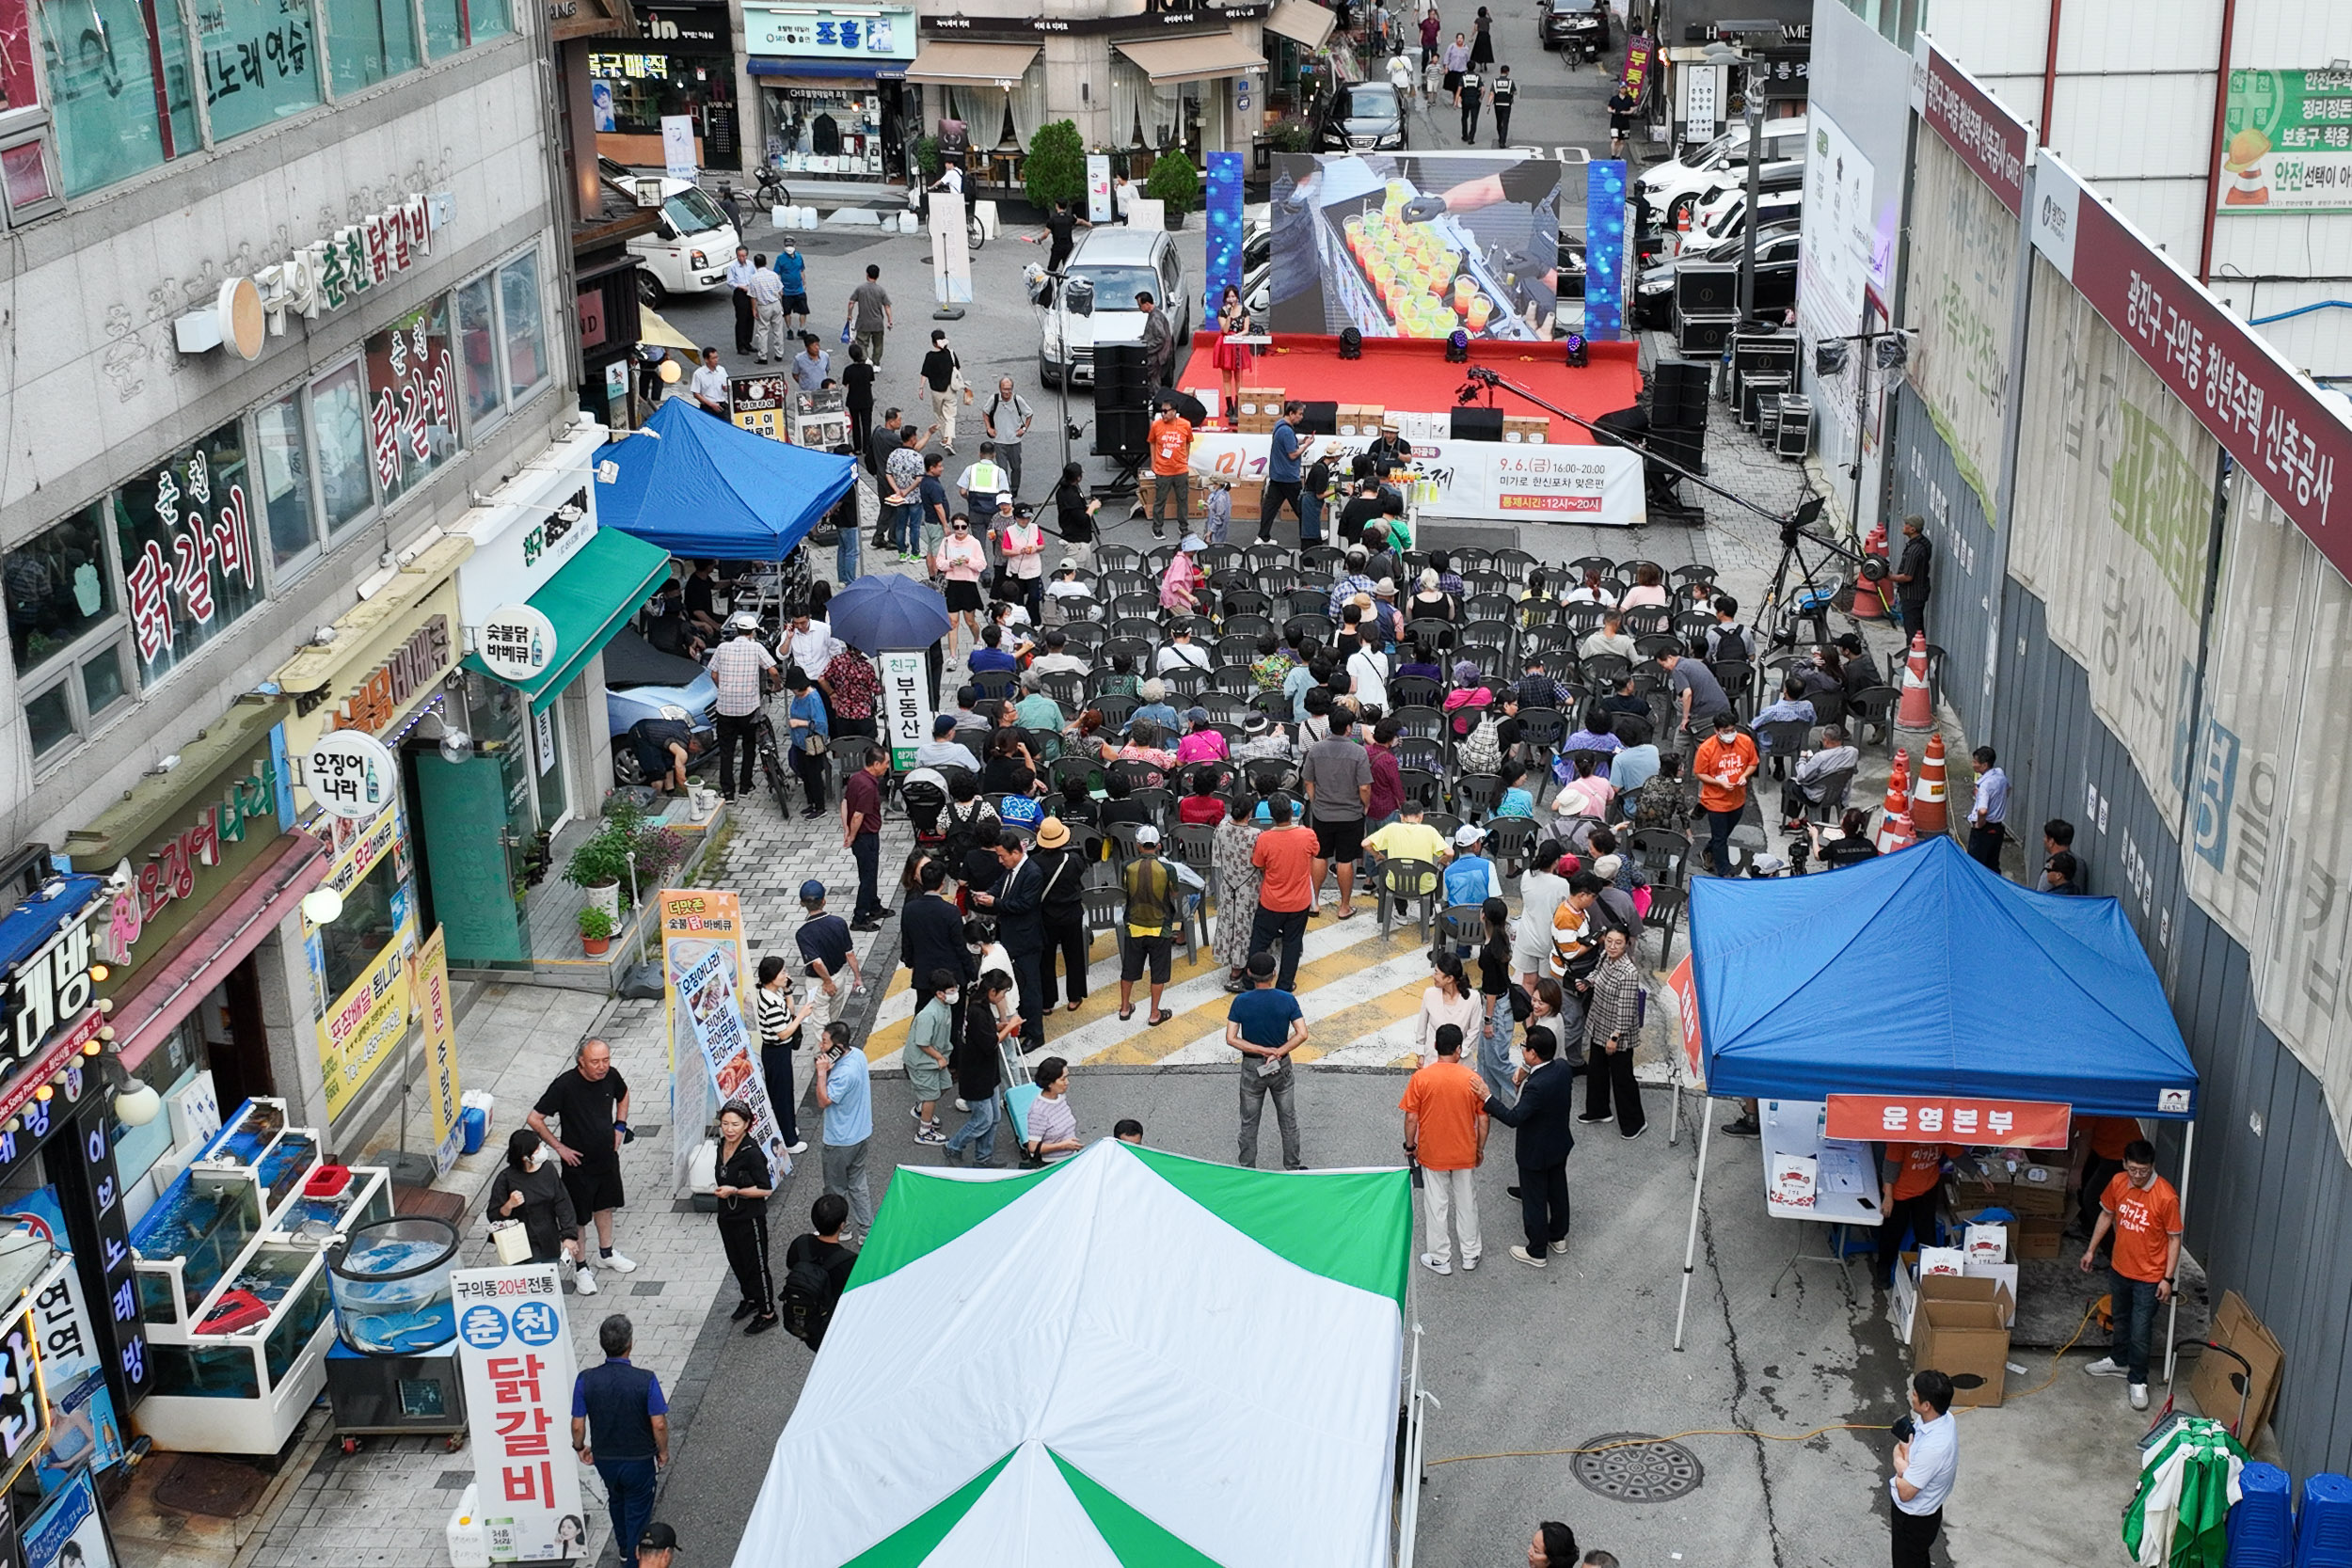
(1895, 831)
(1927, 805)
(1870, 598)
(1916, 712)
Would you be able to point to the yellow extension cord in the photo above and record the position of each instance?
(2056, 1359)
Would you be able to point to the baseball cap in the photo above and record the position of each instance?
(1607, 867)
(1067, 565)
(812, 889)
(1468, 834)
(656, 1537)
(1147, 834)
(944, 724)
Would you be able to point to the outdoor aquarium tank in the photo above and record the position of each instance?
(391, 1285)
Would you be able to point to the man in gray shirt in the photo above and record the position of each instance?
(869, 314)
(1336, 777)
(1697, 693)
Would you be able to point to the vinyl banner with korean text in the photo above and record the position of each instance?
(1531, 483)
(516, 1356)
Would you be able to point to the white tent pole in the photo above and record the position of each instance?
(2172, 1321)
(1691, 1244)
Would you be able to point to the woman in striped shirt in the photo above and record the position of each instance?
(779, 1037)
(1053, 1126)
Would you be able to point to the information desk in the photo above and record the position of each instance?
(1846, 1183)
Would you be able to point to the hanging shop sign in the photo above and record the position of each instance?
(518, 642)
(325, 275)
(517, 1360)
(1930, 1118)
(759, 405)
(2289, 142)
(49, 988)
(421, 662)
(23, 1414)
(351, 774)
(189, 564)
(530, 528)
(706, 27)
(821, 32)
(1638, 51)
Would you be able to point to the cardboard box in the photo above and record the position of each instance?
(2003, 1277)
(1968, 1220)
(1949, 1260)
(1996, 1284)
(1525, 427)
(2218, 1381)
(1263, 400)
(1986, 1244)
(2038, 1191)
(2038, 1237)
(1960, 1327)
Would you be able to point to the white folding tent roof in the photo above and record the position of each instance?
(1128, 1358)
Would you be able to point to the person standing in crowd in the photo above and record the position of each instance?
(2061, 874)
(1448, 1001)
(2144, 1214)
(809, 736)
(2107, 1138)
(1545, 1139)
(590, 1102)
(1554, 1546)
(792, 272)
(930, 1051)
(1281, 472)
(1914, 574)
(657, 1545)
(768, 335)
(531, 1192)
(857, 384)
(1613, 1027)
(1015, 901)
(1910, 1180)
(709, 388)
(869, 315)
(817, 1268)
(901, 484)
(1021, 542)
(1266, 1024)
(845, 1093)
(1171, 460)
(1062, 913)
(855, 690)
(1445, 1134)
(740, 287)
(780, 1024)
(1052, 1125)
(1694, 687)
(1074, 515)
(1503, 92)
(1471, 94)
(743, 1181)
(621, 1427)
(1159, 342)
(1926, 1465)
(1286, 854)
(1335, 775)
(1158, 894)
(1725, 764)
(1006, 419)
(741, 671)
(861, 834)
(940, 378)
(812, 367)
(979, 1068)
(1987, 814)
(826, 947)
(1236, 885)
(980, 483)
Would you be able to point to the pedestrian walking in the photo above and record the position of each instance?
(1543, 1116)
(739, 289)
(1006, 419)
(743, 1182)
(1157, 908)
(869, 316)
(2143, 1212)
(741, 671)
(1335, 774)
(1020, 544)
(929, 1052)
(1454, 61)
(1266, 1024)
(861, 834)
(768, 334)
(1988, 813)
(1725, 764)
(1503, 92)
(1622, 104)
(979, 1068)
(1613, 1027)
(1470, 94)
(657, 1545)
(817, 1268)
(589, 1100)
(857, 390)
(845, 1093)
(827, 949)
(782, 1014)
(1061, 227)
(1926, 1465)
(1445, 1135)
(792, 272)
(809, 736)
(901, 485)
(621, 1428)
(960, 559)
(940, 378)
(1062, 913)
(1482, 38)
(529, 1190)
(1285, 855)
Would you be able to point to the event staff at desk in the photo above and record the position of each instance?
(1910, 1183)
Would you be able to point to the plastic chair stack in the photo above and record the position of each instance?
(2323, 1533)
(2262, 1524)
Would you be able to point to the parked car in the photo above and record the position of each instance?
(688, 252)
(1256, 267)
(643, 682)
(1581, 24)
(1696, 170)
(1727, 215)
(1361, 117)
(1120, 263)
(1775, 275)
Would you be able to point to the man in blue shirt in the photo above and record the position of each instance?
(1281, 474)
(812, 365)
(1266, 1024)
(620, 1425)
(791, 272)
(933, 503)
(825, 946)
(1926, 1465)
(1988, 813)
(991, 655)
(846, 1094)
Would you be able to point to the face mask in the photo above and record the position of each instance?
(952, 997)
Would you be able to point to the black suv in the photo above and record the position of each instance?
(1574, 24)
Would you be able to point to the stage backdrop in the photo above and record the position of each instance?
(1415, 244)
(1499, 480)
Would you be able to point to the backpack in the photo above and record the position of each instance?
(1731, 645)
(806, 1300)
(1482, 748)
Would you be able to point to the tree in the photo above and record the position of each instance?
(1174, 181)
(1056, 169)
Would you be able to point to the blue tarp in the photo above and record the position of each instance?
(697, 485)
(1922, 972)
(27, 928)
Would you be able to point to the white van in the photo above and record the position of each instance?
(688, 252)
(1680, 183)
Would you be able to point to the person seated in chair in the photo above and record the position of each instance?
(1807, 780)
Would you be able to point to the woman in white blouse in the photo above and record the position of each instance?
(1451, 999)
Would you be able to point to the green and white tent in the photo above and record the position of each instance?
(1127, 1359)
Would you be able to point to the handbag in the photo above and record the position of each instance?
(845, 331)
(512, 1241)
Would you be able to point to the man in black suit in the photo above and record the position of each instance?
(1544, 1117)
(1018, 903)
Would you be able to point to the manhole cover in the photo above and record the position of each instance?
(220, 1488)
(1636, 1468)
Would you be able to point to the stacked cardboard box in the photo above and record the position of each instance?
(1360, 418)
(1961, 1328)
(1245, 495)
(1526, 427)
(1261, 400)
(1255, 424)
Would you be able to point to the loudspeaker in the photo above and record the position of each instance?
(1701, 287)
(1703, 334)
(1477, 424)
(1122, 432)
(1677, 396)
(1685, 447)
(1118, 378)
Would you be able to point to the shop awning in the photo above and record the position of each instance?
(978, 65)
(202, 956)
(1302, 22)
(1195, 57)
(651, 328)
(27, 928)
(589, 601)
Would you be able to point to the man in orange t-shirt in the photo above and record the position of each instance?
(1725, 764)
(1286, 893)
(2107, 1138)
(1445, 1132)
(2144, 1212)
(1171, 462)
(1910, 1184)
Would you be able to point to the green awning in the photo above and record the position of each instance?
(589, 601)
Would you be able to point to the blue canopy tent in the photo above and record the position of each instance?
(699, 487)
(1972, 986)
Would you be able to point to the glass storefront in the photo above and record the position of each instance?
(826, 128)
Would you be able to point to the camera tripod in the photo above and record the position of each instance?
(1807, 600)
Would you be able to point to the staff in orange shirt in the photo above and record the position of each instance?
(1445, 1132)
(1172, 464)
(1725, 761)
(1910, 1184)
(2144, 1212)
(2107, 1138)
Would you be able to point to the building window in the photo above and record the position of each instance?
(50, 716)
(25, 177)
(352, 943)
(58, 588)
(369, 41)
(118, 87)
(477, 338)
(411, 379)
(103, 684)
(526, 335)
(453, 24)
(339, 423)
(261, 62)
(191, 567)
(285, 481)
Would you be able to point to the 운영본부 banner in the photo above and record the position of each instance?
(1535, 481)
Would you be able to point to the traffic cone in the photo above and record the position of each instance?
(1927, 805)
(1870, 598)
(1916, 712)
(1894, 831)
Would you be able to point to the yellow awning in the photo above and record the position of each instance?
(653, 329)
(1196, 58)
(1303, 21)
(977, 65)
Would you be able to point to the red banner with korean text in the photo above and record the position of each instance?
(1947, 1118)
(1687, 1001)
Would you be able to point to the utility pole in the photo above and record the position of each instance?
(1754, 93)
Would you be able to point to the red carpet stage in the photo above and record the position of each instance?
(1411, 373)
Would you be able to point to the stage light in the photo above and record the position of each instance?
(1579, 355)
(1456, 347)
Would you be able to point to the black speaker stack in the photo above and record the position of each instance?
(1122, 417)
(1677, 422)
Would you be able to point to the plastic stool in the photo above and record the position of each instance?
(2261, 1525)
(2322, 1531)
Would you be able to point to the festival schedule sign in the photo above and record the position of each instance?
(1933, 1117)
(516, 1358)
(1534, 482)
(2289, 147)
(706, 972)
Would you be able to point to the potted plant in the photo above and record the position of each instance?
(1175, 181)
(601, 864)
(1056, 169)
(596, 931)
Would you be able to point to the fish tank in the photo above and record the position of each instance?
(201, 1226)
(391, 1285)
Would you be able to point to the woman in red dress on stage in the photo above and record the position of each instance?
(1232, 321)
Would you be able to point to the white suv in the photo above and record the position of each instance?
(1120, 263)
(1681, 182)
